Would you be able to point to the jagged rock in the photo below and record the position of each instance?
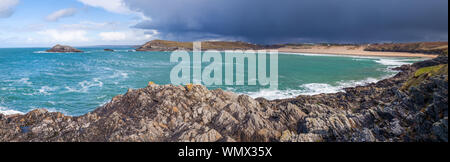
(372, 113)
(63, 49)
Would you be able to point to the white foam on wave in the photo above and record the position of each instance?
(391, 62)
(397, 62)
(314, 54)
(274, 94)
(311, 89)
(132, 50)
(85, 86)
(41, 52)
(24, 81)
(119, 74)
(318, 88)
(45, 90)
(44, 52)
(6, 111)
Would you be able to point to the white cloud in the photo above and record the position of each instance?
(113, 36)
(92, 26)
(116, 6)
(65, 35)
(55, 16)
(7, 7)
(136, 35)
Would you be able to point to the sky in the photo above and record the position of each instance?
(43, 23)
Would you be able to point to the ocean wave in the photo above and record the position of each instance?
(119, 74)
(6, 111)
(85, 86)
(313, 54)
(45, 90)
(389, 61)
(23, 81)
(41, 52)
(312, 89)
(397, 62)
(8, 89)
(124, 50)
(318, 88)
(392, 62)
(275, 94)
(44, 52)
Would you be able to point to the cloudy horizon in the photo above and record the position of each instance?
(28, 23)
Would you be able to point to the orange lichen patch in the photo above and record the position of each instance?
(22, 120)
(218, 136)
(189, 87)
(263, 132)
(175, 110)
(278, 134)
(163, 125)
(60, 115)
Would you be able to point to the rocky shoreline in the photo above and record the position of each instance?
(410, 107)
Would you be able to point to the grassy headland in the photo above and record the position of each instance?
(421, 49)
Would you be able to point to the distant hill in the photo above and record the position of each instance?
(421, 47)
(111, 46)
(163, 45)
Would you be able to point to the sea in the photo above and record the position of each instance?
(77, 83)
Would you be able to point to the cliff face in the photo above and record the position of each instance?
(63, 49)
(162, 45)
(385, 111)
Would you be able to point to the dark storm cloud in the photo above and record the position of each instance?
(273, 21)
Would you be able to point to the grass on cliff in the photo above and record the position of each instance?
(205, 45)
(424, 73)
(421, 47)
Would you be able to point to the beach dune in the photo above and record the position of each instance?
(349, 50)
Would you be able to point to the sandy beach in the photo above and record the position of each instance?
(349, 50)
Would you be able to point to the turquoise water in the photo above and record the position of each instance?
(78, 83)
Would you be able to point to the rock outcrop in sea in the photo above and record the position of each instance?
(63, 49)
(410, 107)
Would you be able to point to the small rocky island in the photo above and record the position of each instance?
(109, 50)
(63, 49)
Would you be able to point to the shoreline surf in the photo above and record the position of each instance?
(365, 54)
